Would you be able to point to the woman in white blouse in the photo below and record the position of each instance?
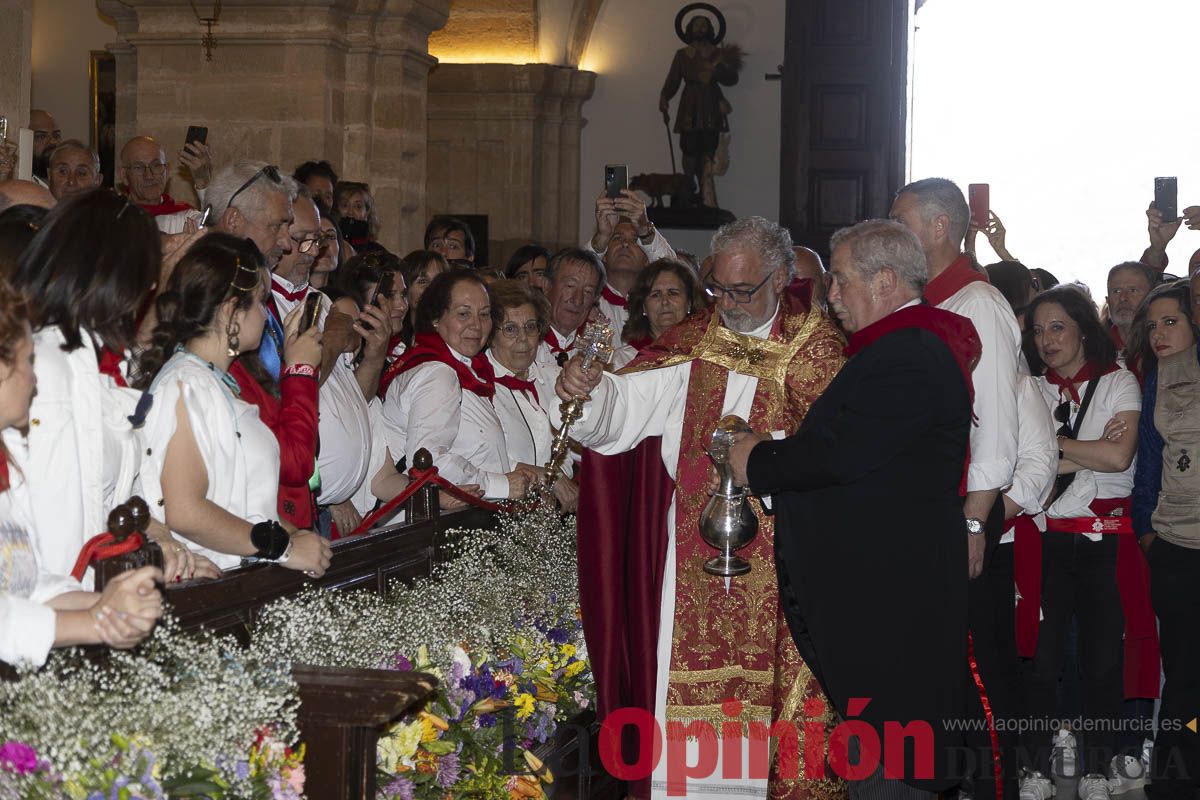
(525, 399)
(666, 293)
(439, 393)
(216, 463)
(1093, 401)
(40, 610)
(87, 273)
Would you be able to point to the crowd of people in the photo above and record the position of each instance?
(262, 370)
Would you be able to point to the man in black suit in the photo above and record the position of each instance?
(871, 559)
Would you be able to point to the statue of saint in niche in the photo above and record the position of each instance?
(702, 119)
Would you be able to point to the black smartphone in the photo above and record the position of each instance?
(355, 231)
(384, 288)
(1166, 198)
(616, 178)
(311, 312)
(196, 133)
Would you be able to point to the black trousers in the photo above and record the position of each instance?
(1174, 582)
(991, 619)
(1079, 577)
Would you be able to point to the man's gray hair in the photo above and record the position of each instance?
(75, 144)
(879, 243)
(938, 196)
(769, 240)
(232, 177)
(577, 255)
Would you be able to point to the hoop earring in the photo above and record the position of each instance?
(231, 331)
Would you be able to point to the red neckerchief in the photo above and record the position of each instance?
(293, 296)
(165, 205)
(518, 385)
(610, 294)
(1089, 371)
(957, 332)
(110, 365)
(641, 342)
(552, 340)
(429, 347)
(954, 277)
(4, 484)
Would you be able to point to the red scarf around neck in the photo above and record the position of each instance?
(952, 278)
(165, 205)
(110, 365)
(957, 332)
(1089, 371)
(294, 296)
(610, 294)
(429, 347)
(556, 346)
(518, 385)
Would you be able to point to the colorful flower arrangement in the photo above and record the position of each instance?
(185, 715)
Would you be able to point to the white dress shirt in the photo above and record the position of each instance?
(994, 432)
(344, 425)
(524, 417)
(617, 314)
(427, 407)
(240, 453)
(80, 434)
(1037, 452)
(27, 626)
(1116, 392)
(547, 357)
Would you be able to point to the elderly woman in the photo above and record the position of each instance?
(1166, 508)
(439, 393)
(40, 610)
(1093, 400)
(212, 466)
(525, 399)
(666, 293)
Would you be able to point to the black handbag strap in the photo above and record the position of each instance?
(1073, 432)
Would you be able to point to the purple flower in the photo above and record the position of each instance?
(401, 664)
(401, 788)
(486, 720)
(557, 635)
(18, 757)
(242, 770)
(449, 771)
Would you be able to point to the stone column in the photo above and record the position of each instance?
(16, 62)
(289, 81)
(504, 141)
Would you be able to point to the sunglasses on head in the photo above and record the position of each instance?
(270, 171)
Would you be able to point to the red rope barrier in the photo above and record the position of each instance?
(420, 477)
(104, 546)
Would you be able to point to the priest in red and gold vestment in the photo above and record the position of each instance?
(663, 635)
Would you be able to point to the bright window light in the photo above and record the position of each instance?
(1069, 109)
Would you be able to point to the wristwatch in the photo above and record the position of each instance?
(974, 526)
(648, 237)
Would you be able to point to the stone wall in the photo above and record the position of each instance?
(504, 141)
(16, 37)
(289, 81)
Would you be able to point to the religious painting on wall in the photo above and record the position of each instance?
(701, 67)
(102, 110)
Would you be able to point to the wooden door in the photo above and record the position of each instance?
(844, 115)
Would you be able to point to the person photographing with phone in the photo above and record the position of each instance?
(145, 172)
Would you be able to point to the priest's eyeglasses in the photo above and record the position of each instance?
(740, 296)
(155, 168)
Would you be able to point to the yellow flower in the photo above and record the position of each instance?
(574, 669)
(398, 748)
(524, 705)
(567, 650)
(429, 733)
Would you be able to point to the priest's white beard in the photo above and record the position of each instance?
(740, 321)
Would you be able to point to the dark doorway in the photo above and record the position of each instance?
(845, 78)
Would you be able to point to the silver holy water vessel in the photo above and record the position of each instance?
(727, 522)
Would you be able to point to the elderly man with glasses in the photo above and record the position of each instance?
(145, 172)
(666, 636)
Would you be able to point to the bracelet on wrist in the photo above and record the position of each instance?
(271, 542)
(302, 370)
